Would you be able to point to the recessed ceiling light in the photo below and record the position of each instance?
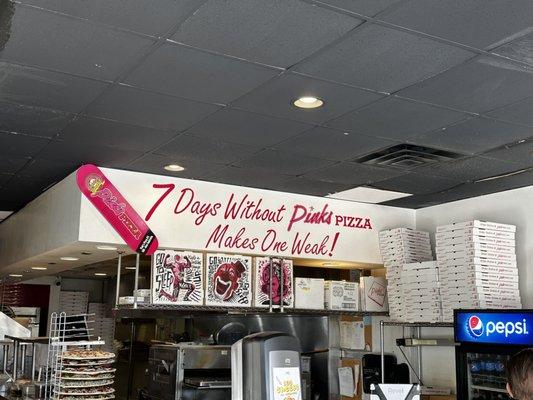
(105, 247)
(130, 268)
(39, 268)
(69, 258)
(15, 275)
(174, 168)
(308, 102)
(100, 274)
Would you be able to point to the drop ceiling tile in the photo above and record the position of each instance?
(148, 109)
(41, 168)
(93, 153)
(248, 177)
(276, 98)
(477, 86)
(50, 40)
(12, 144)
(519, 48)
(310, 187)
(39, 88)
(332, 144)
(383, 59)
(282, 162)
(29, 120)
(416, 183)
(150, 17)
(420, 200)
(212, 150)
(4, 178)
(279, 33)
(9, 205)
(520, 153)
(469, 169)
(154, 164)
(23, 189)
(396, 119)
(247, 128)
(478, 23)
(519, 112)
(198, 75)
(88, 130)
(10, 164)
(352, 174)
(368, 8)
(474, 135)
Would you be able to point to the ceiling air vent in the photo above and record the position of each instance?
(407, 156)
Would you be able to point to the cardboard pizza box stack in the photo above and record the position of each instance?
(104, 325)
(401, 246)
(421, 294)
(73, 303)
(477, 265)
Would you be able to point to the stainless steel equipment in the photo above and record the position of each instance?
(33, 313)
(188, 371)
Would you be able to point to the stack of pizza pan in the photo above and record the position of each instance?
(86, 375)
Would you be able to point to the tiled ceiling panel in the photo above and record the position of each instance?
(152, 17)
(279, 33)
(276, 97)
(47, 169)
(475, 135)
(65, 44)
(10, 164)
(384, 59)
(520, 112)
(36, 87)
(478, 86)
(313, 187)
(257, 178)
(155, 163)
(198, 75)
(36, 121)
(333, 144)
(396, 119)
(352, 174)
(417, 183)
(20, 145)
(159, 111)
(247, 128)
(477, 23)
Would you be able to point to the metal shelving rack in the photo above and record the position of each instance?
(417, 326)
(57, 343)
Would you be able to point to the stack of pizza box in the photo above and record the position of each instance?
(401, 246)
(104, 325)
(421, 295)
(477, 265)
(73, 303)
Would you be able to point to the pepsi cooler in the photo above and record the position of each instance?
(486, 339)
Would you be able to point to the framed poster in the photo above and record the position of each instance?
(177, 277)
(262, 282)
(228, 280)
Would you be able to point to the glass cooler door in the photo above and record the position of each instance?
(486, 376)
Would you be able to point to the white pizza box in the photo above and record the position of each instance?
(404, 232)
(405, 254)
(393, 273)
(430, 264)
(420, 276)
(341, 295)
(130, 300)
(423, 318)
(467, 232)
(462, 265)
(477, 224)
(373, 294)
(407, 260)
(477, 260)
(467, 295)
(474, 246)
(411, 312)
(452, 303)
(142, 292)
(404, 245)
(309, 293)
(472, 274)
(475, 253)
(426, 306)
(422, 293)
(480, 283)
(475, 239)
(480, 290)
(429, 298)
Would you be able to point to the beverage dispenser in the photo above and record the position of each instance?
(266, 366)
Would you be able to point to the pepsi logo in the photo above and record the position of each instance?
(475, 326)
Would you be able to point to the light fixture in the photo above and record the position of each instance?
(15, 275)
(308, 102)
(39, 268)
(100, 274)
(106, 247)
(130, 268)
(329, 264)
(69, 258)
(174, 168)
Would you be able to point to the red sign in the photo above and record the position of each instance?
(115, 209)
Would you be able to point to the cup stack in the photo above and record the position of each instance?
(420, 288)
(477, 266)
(398, 247)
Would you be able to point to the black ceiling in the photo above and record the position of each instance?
(208, 84)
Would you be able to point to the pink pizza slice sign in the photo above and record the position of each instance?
(115, 209)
